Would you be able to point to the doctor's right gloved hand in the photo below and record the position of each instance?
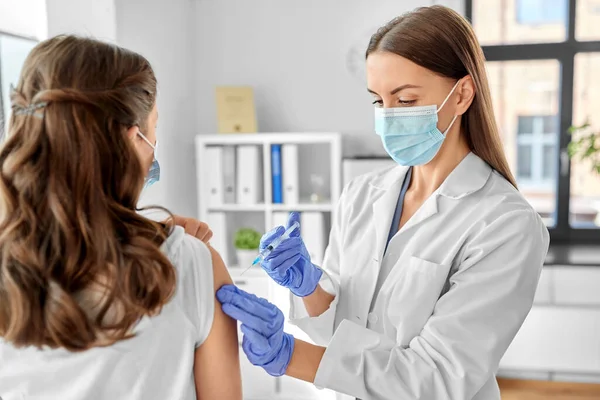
(289, 263)
(265, 343)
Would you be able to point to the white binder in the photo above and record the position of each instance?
(312, 227)
(248, 175)
(218, 224)
(228, 169)
(214, 161)
(289, 169)
(280, 218)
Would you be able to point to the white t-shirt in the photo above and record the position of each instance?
(156, 364)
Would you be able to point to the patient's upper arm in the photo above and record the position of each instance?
(216, 366)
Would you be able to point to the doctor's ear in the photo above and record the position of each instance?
(466, 94)
(132, 132)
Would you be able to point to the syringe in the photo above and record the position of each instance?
(267, 250)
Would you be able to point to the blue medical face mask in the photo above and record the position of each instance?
(154, 172)
(410, 134)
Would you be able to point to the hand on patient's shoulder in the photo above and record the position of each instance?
(194, 227)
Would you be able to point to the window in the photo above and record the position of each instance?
(536, 146)
(543, 61)
(585, 187)
(519, 21)
(13, 51)
(525, 100)
(588, 20)
(541, 12)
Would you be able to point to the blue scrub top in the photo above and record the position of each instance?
(398, 212)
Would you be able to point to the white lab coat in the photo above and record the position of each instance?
(463, 274)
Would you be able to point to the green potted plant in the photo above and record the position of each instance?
(246, 244)
(585, 145)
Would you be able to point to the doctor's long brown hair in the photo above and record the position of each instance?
(441, 40)
(78, 265)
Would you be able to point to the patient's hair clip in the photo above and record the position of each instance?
(30, 110)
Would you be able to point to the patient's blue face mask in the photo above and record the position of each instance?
(410, 134)
(154, 172)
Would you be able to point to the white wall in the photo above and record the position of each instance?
(39, 19)
(299, 56)
(24, 18)
(83, 17)
(162, 31)
(296, 54)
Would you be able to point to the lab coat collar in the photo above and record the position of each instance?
(390, 178)
(468, 177)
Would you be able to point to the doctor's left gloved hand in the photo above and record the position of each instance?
(289, 263)
(265, 343)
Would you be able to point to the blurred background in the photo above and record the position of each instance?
(288, 79)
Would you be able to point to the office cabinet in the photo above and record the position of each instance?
(576, 286)
(560, 338)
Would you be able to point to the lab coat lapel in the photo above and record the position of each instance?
(384, 207)
(468, 176)
(383, 213)
(428, 209)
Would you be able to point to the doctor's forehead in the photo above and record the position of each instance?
(387, 71)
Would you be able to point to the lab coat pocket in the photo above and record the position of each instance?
(413, 297)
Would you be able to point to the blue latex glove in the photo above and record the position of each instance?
(289, 263)
(265, 343)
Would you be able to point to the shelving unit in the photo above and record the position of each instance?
(303, 207)
(328, 145)
(237, 208)
(270, 207)
(318, 153)
(265, 140)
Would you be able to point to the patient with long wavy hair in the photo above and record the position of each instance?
(97, 301)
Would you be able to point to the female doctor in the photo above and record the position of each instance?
(432, 265)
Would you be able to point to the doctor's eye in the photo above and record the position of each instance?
(406, 102)
(378, 103)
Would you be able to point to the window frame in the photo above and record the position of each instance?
(564, 52)
(533, 23)
(4, 118)
(537, 139)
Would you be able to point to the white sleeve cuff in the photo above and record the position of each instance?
(319, 329)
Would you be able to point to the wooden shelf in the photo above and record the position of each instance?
(267, 138)
(323, 207)
(238, 208)
(521, 390)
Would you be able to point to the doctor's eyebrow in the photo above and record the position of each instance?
(398, 89)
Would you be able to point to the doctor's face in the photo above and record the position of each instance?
(395, 81)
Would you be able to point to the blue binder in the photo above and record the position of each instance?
(276, 173)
